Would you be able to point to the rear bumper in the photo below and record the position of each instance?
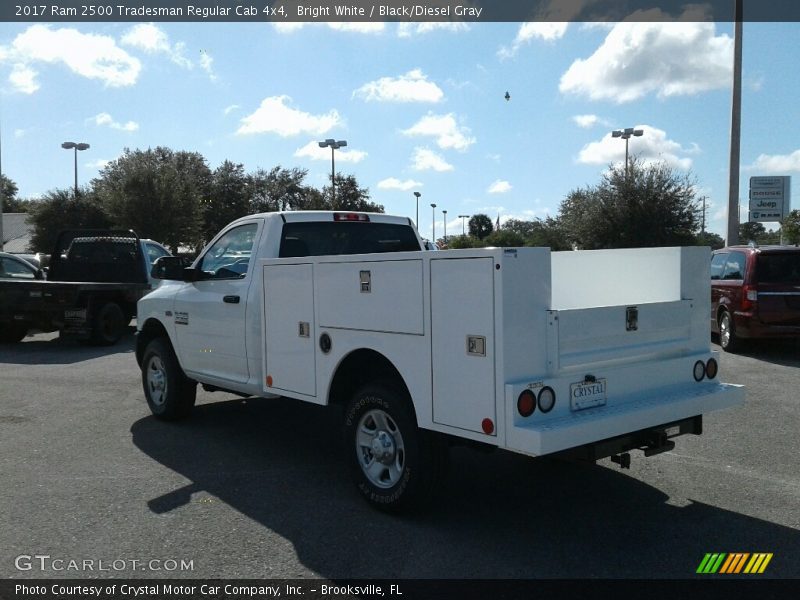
(747, 325)
(605, 422)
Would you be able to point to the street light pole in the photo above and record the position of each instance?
(732, 236)
(417, 194)
(626, 134)
(444, 217)
(333, 145)
(75, 146)
(463, 226)
(433, 224)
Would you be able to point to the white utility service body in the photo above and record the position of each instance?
(595, 353)
(614, 334)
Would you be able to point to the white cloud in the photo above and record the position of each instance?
(207, 64)
(499, 187)
(105, 119)
(152, 39)
(19, 133)
(314, 152)
(274, 116)
(23, 78)
(97, 164)
(86, 54)
(587, 121)
(392, 183)
(425, 159)
(548, 31)
(652, 146)
(444, 128)
(636, 59)
(411, 87)
(229, 109)
(777, 163)
(409, 29)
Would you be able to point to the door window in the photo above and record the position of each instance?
(718, 265)
(734, 266)
(229, 256)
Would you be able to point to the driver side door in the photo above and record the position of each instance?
(210, 321)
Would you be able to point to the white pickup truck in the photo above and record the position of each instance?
(596, 353)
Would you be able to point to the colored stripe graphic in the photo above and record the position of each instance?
(734, 563)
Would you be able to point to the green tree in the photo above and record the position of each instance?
(455, 242)
(8, 194)
(791, 227)
(159, 193)
(229, 198)
(710, 239)
(480, 226)
(504, 238)
(349, 196)
(61, 209)
(280, 189)
(750, 231)
(650, 206)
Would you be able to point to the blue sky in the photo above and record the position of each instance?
(421, 105)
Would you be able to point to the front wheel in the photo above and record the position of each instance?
(395, 465)
(170, 394)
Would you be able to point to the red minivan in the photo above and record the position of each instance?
(755, 293)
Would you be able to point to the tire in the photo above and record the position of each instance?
(108, 325)
(11, 333)
(169, 393)
(727, 334)
(378, 418)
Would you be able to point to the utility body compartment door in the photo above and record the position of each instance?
(462, 342)
(289, 338)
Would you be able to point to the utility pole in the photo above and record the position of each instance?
(736, 130)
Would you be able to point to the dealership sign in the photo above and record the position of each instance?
(770, 198)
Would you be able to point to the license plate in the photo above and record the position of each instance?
(75, 315)
(587, 394)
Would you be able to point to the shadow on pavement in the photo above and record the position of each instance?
(782, 351)
(50, 349)
(499, 515)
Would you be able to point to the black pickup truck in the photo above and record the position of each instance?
(95, 279)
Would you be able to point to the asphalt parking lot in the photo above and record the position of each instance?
(252, 489)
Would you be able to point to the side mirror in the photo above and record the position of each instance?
(190, 274)
(169, 268)
(39, 274)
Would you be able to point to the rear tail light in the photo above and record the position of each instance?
(357, 217)
(749, 297)
(712, 368)
(526, 403)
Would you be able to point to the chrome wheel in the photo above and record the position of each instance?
(380, 449)
(725, 330)
(156, 380)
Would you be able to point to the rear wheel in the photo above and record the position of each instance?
(395, 465)
(11, 333)
(108, 325)
(727, 336)
(169, 393)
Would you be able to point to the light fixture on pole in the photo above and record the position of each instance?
(462, 217)
(417, 194)
(333, 145)
(433, 216)
(444, 218)
(626, 134)
(75, 146)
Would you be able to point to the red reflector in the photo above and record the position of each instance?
(711, 368)
(749, 297)
(488, 426)
(526, 403)
(269, 380)
(359, 217)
